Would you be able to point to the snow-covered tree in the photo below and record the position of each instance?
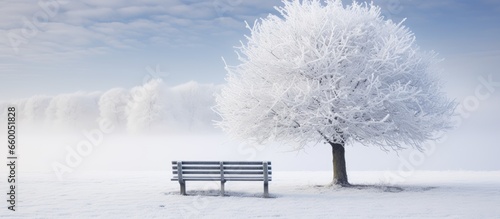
(325, 72)
(34, 109)
(112, 106)
(148, 108)
(195, 101)
(73, 111)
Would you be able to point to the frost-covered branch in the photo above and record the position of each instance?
(325, 72)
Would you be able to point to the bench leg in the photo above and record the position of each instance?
(183, 188)
(266, 190)
(222, 188)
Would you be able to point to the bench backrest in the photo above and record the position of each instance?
(222, 170)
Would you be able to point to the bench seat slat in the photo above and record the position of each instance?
(198, 172)
(244, 163)
(197, 162)
(223, 162)
(225, 172)
(226, 179)
(244, 168)
(245, 172)
(198, 167)
(218, 167)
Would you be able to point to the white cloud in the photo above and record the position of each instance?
(79, 27)
(159, 31)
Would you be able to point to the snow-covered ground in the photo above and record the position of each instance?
(294, 195)
(129, 177)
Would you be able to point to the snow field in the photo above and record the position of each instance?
(295, 195)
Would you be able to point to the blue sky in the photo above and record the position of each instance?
(97, 45)
(94, 45)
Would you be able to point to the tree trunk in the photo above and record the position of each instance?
(339, 168)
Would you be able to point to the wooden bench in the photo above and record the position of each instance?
(221, 171)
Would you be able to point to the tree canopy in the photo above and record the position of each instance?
(321, 71)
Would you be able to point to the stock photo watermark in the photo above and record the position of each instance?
(74, 156)
(12, 158)
(35, 24)
(155, 73)
(94, 138)
(486, 87)
(223, 7)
